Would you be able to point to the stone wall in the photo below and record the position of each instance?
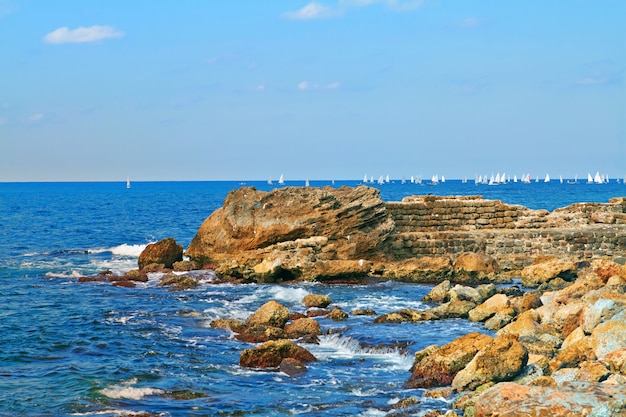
(436, 225)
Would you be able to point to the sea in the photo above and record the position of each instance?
(70, 348)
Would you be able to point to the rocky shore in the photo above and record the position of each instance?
(556, 342)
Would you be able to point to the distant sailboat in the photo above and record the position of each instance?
(281, 180)
(589, 178)
(365, 179)
(270, 182)
(306, 182)
(575, 180)
(547, 178)
(127, 182)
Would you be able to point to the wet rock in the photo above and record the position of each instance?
(271, 313)
(336, 314)
(303, 327)
(363, 312)
(178, 282)
(316, 300)
(292, 367)
(495, 304)
(440, 293)
(260, 333)
(271, 354)
(165, 252)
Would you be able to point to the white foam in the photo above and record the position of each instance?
(130, 251)
(338, 346)
(73, 274)
(126, 391)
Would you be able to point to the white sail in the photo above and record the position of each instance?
(365, 179)
(127, 182)
(589, 178)
(281, 180)
(547, 178)
(597, 179)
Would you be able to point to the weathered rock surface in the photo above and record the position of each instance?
(164, 252)
(271, 354)
(437, 367)
(508, 399)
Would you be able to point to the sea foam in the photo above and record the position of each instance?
(126, 391)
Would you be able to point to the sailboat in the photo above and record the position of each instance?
(270, 182)
(306, 182)
(127, 182)
(575, 180)
(547, 178)
(281, 180)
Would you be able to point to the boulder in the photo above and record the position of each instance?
(475, 267)
(500, 360)
(271, 354)
(508, 399)
(426, 269)
(546, 269)
(165, 252)
(271, 313)
(303, 327)
(440, 293)
(495, 304)
(316, 300)
(354, 220)
(292, 367)
(438, 367)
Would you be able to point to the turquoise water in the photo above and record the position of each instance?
(69, 348)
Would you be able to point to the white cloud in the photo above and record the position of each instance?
(312, 10)
(35, 117)
(315, 10)
(593, 81)
(82, 34)
(260, 87)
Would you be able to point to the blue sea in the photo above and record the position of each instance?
(91, 349)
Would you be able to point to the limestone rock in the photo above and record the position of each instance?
(271, 313)
(489, 308)
(440, 366)
(543, 270)
(354, 220)
(316, 300)
(165, 252)
(508, 399)
(501, 360)
(475, 267)
(271, 354)
(303, 327)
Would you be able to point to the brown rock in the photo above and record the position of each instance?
(316, 300)
(271, 313)
(292, 367)
(508, 399)
(303, 327)
(355, 220)
(440, 293)
(439, 367)
(165, 252)
(501, 360)
(495, 304)
(475, 267)
(271, 354)
(260, 333)
(336, 314)
(545, 270)
(423, 269)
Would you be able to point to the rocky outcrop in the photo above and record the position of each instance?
(164, 252)
(295, 233)
(271, 354)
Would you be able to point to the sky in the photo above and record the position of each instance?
(102, 90)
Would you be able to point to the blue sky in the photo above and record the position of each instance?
(98, 90)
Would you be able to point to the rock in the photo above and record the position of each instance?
(452, 309)
(165, 252)
(260, 333)
(303, 327)
(179, 282)
(439, 294)
(354, 220)
(336, 314)
(497, 303)
(292, 367)
(426, 269)
(316, 300)
(271, 313)
(508, 399)
(475, 267)
(544, 270)
(185, 266)
(438, 367)
(363, 312)
(526, 302)
(608, 337)
(271, 354)
(501, 360)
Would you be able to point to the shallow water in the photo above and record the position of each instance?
(69, 348)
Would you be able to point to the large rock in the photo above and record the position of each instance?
(272, 353)
(438, 367)
(500, 360)
(475, 267)
(354, 220)
(271, 313)
(508, 399)
(546, 268)
(164, 252)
